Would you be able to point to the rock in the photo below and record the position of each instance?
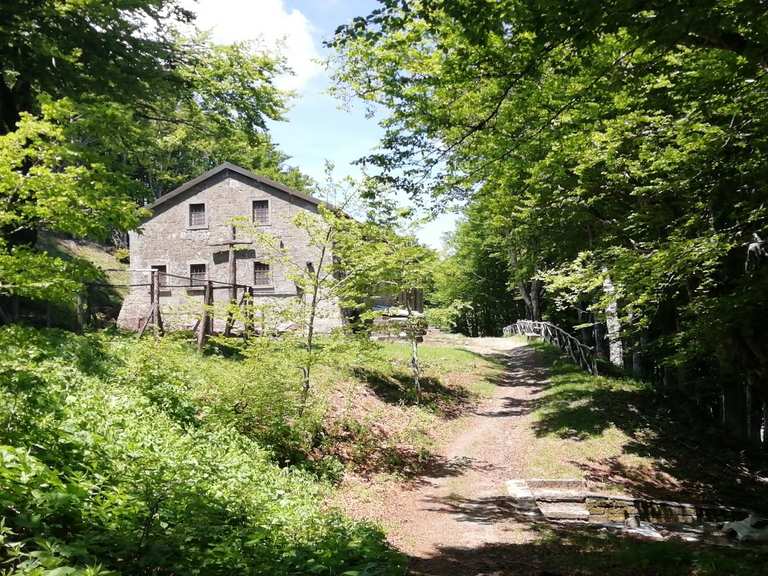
(752, 529)
(564, 511)
(646, 530)
(632, 521)
(522, 497)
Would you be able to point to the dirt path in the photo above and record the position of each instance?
(455, 520)
(456, 509)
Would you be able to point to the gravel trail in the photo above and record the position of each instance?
(456, 511)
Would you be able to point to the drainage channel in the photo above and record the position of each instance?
(572, 501)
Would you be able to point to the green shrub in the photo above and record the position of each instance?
(113, 459)
(122, 255)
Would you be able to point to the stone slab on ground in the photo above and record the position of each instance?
(551, 495)
(522, 496)
(564, 511)
(573, 484)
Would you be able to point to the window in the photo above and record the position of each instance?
(162, 279)
(197, 215)
(261, 212)
(261, 275)
(197, 276)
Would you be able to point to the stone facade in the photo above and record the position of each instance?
(171, 239)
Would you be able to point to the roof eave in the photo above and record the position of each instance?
(238, 170)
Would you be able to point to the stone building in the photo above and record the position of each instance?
(188, 240)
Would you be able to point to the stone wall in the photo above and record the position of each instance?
(167, 239)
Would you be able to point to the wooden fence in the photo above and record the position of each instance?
(204, 326)
(241, 297)
(581, 354)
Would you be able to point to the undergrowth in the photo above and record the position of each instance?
(134, 456)
(628, 434)
(129, 457)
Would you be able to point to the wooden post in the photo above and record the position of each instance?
(232, 284)
(209, 300)
(250, 314)
(152, 297)
(202, 332)
(158, 325)
(80, 312)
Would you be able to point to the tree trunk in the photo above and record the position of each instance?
(536, 300)
(613, 325)
(637, 358)
(526, 299)
(307, 368)
(598, 333)
(586, 336)
(754, 411)
(416, 367)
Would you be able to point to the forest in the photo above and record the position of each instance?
(608, 166)
(606, 154)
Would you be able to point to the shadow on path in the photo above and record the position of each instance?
(583, 552)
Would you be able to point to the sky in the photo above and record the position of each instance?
(316, 127)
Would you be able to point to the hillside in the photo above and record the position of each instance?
(123, 454)
(99, 256)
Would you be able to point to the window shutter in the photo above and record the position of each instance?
(197, 215)
(261, 211)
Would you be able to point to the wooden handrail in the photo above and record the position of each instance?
(581, 354)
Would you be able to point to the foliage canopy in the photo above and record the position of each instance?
(615, 140)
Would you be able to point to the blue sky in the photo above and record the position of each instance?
(317, 129)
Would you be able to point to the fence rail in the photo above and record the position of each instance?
(241, 297)
(581, 354)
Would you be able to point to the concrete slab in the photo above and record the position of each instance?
(564, 511)
(522, 497)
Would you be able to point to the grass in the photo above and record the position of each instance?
(376, 423)
(623, 433)
(116, 273)
(575, 419)
(465, 368)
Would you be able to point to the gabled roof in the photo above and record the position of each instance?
(238, 170)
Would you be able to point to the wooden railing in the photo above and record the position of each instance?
(580, 353)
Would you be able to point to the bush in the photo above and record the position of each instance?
(122, 255)
(114, 460)
(446, 317)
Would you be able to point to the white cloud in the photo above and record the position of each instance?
(266, 21)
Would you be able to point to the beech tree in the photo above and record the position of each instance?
(104, 105)
(378, 260)
(593, 141)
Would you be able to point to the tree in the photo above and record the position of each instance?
(125, 51)
(104, 105)
(322, 283)
(44, 180)
(620, 140)
(381, 261)
(222, 117)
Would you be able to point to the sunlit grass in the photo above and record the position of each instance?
(580, 418)
(453, 365)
